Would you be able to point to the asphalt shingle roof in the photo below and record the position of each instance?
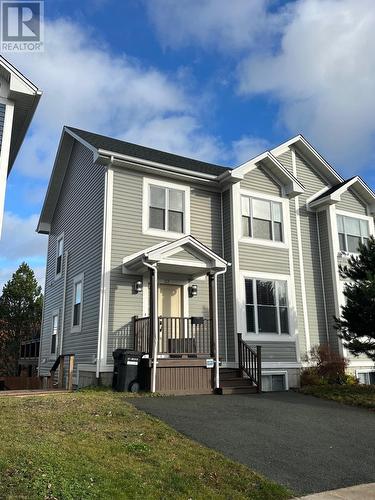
(135, 150)
(332, 189)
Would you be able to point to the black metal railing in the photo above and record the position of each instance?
(250, 362)
(177, 336)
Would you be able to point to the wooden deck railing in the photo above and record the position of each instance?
(60, 363)
(30, 349)
(250, 362)
(177, 336)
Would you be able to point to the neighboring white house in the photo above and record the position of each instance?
(18, 101)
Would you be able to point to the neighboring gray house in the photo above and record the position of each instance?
(18, 101)
(175, 257)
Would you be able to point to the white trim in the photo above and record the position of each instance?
(224, 280)
(79, 278)
(4, 156)
(322, 279)
(235, 204)
(58, 239)
(301, 264)
(278, 372)
(241, 300)
(106, 272)
(147, 182)
(364, 370)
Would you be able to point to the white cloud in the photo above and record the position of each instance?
(323, 76)
(212, 24)
(247, 147)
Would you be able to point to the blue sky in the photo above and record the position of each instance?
(212, 79)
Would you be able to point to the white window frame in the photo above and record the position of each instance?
(77, 279)
(292, 315)
(55, 313)
(59, 238)
(146, 229)
(280, 372)
(363, 371)
(285, 219)
(353, 215)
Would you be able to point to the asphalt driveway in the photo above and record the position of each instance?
(305, 443)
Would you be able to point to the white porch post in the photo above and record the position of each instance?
(155, 327)
(215, 326)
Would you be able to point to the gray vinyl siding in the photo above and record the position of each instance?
(276, 352)
(286, 160)
(127, 238)
(329, 289)
(2, 118)
(263, 258)
(350, 203)
(228, 277)
(311, 254)
(79, 215)
(258, 179)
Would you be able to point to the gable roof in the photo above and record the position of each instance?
(116, 146)
(333, 195)
(25, 96)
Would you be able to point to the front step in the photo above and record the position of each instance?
(249, 389)
(235, 382)
(229, 373)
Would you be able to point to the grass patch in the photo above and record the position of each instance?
(355, 395)
(95, 445)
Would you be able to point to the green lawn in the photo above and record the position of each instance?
(94, 444)
(355, 395)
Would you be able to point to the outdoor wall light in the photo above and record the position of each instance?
(193, 290)
(138, 286)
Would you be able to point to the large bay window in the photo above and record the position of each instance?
(352, 231)
(266, 306)
(261, 219)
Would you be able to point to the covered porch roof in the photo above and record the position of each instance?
(186, 256)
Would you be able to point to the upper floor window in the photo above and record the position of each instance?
(59, 254)
(262, 219)
(266, 306)
(352, 232)
(167, 209)
(77, 302)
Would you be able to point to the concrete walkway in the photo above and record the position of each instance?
(308, 444)
(361, 492)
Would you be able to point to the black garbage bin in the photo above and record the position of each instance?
(127, 372)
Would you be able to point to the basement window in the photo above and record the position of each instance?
(274, 382)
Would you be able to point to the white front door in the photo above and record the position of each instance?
(170, 301)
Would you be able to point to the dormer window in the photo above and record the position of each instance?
(165, 209)
(352, 231)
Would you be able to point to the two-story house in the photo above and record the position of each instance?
(175, 257)
(19, 99)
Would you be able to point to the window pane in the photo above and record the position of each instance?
(262, 209)
(282, 291)
(60, 247)
(246, 226)
(58, 264)
(176, 200)
(365, 241)
(267, 319)
(77, 293)
(340, 224)
(278, 382)
(363, 378)
(55, 322)
(250, 323)
(342, 243)
(262, 229)
(276, 211)
(245, 206)
(266, 292)
(157, 197)
(364, 228)
(76, 314)
(277, 231)
(53, 344)
(371, 378)
(284, 322)
(175, 222)
(266, 383)
(157, 219)
(353, 243)
(249, 291)
(352, 226)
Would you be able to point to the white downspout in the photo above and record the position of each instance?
(155, 323)
(63, 304)
(216, 327)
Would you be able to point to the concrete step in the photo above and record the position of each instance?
(240, 390)
(235, 382)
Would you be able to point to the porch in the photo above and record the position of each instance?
(183, 350)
